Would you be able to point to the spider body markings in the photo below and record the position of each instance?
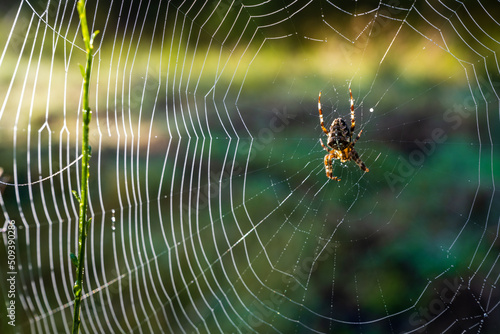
(339, 141)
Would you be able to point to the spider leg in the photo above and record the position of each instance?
(328, 166)
(353, 122)
(321, 115)
(326, 148)
(355, 157)
(357, 137)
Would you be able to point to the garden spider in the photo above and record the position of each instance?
(340, 143)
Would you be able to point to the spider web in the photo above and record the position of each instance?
(211, 209)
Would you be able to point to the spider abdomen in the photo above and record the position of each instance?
(339, 137)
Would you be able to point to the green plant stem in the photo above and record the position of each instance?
(83, 222)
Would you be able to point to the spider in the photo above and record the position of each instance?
(340, 143)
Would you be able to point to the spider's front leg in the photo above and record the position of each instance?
(321, 122)
(328, 166)
(353, 121)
